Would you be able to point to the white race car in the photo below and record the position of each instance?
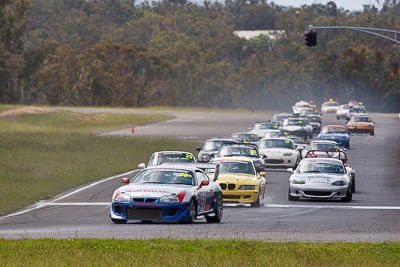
(262, 128)
(329, 107)
(320, 178)
(343, 112)
(279, 152)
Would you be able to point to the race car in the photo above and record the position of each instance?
(343, 112)
(168, 193)
(320, 178)
(163, 157)
(242, 150)
(315, 125)
(278, 152)
(262, 128)
(336, 133)
(323, 145)
(361, 124)
(245, 138)
(310, 113)
(296, 127)
(300, 106)
(329, 107)
(211, 147)
(280, 117)
(337, 154)
(357, 110)
(240, 182)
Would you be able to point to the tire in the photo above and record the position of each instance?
(349, 196)
(257, 203)
(347, 145)
(292, 198)
(353, 184)
(372, 132)
(337, 117)
(219, 211)
(118, 221)
(191, 213)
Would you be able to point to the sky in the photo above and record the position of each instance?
(346, 4)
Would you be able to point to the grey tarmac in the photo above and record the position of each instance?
(372, 216)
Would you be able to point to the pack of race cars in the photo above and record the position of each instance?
(174, 186)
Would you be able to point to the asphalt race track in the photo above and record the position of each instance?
(372, 216)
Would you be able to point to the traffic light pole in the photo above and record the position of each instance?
(371, 31)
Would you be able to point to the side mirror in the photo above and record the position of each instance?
(216, 173)
(141, 166)
(204, 183)
(125, 180)
(198, 149)
(264, 156)
(290, 170)
(262, 174)
(212, 155)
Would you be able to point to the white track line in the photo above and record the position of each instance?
(266, 206)
(41, 204)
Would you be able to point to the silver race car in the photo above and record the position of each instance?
(320, 178)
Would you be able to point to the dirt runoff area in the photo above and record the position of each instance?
(24, 110)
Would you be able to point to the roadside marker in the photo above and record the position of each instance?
(133, 129)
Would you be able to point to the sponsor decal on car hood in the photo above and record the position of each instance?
(149, 190)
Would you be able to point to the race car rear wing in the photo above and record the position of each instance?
(336, 154)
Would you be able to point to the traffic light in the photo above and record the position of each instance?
(311, 39)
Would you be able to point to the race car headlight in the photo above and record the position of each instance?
(169, 199)
(247, 187)
(294, 181)
(123, 198)
(287, 154)
(339, 183)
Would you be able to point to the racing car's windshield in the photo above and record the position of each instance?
(331, 104)
(345, 107)
(280, 117)
(308, 112)
(236, 167)
(321, 167)
(324, 147)
(297, 140)
(333, 130)
(265, 126)
(173, 158)
(246, 137)
(294, 122)
(164, 177)
(215, 144)
(359, 110)
(238, 151)
(361, 119)
(276, 143)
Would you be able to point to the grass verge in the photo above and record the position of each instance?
(46, 154)
(80, 252)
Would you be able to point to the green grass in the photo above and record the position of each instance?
(48, 252)
(8, 107)
(46, 154)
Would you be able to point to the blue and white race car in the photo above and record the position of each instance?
(336, 133)
(168, 193)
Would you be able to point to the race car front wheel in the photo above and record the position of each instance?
(349, 196)
(292, 198)
(191, 213)
(219, 210)
(257, 203)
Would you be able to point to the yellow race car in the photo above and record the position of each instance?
(240, 182)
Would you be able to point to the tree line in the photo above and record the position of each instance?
(175, 52)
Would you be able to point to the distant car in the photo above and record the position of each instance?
(361, 124)
(343, 112)
(279, 152)
(240, 182)
(323, 145)
(296, 127)
(357, 110)
(310, 113)
(245, 138)
(299, 143)
(280, 117)
(315, 126)
(300, 106)
(164, 157)
(168, 194)
(261, 128)
(336, 133)
(320, 178)
(242, 150)
(329, 107)
(211, 147)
